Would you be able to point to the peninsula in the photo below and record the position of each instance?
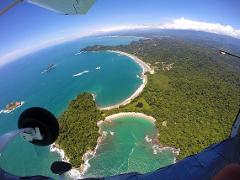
(193, 95)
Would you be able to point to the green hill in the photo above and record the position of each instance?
(195, 92)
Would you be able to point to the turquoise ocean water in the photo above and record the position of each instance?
(22, 81)
(126, 148)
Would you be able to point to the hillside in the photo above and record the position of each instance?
(194, 94)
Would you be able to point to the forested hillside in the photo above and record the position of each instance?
(78, 128)
(195, 91)
(194, 95)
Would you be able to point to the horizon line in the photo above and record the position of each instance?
(177, 24)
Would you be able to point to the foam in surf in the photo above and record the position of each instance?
(158, 149)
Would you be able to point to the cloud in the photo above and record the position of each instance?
(181, 23)
(217, 28)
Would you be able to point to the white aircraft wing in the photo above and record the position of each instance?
(66, 7)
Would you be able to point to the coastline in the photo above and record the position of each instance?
(74, 173)
(156, 147)
(78, 173)
(145, 68)
(124, 114)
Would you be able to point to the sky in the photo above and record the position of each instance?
(27, 28)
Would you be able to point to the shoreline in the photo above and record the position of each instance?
(124, 114)
(78, 173)
(74, 173)
(145, 68)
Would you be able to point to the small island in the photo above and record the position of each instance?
(12, 106)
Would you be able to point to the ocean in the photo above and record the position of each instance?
(110, 77)
(128, 146)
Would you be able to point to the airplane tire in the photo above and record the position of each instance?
(44, 120)
(60, 167)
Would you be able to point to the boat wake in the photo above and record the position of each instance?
(78, 53)
(49, 68)
(81, 73)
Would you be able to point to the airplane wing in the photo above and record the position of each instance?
(66, 7)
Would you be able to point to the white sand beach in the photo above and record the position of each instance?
(145, 68)
(124, 114)
(78, 173)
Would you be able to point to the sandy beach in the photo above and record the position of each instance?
(78, 173)
(156, 147)
(89, 154)
(145, 68)
(124, 114)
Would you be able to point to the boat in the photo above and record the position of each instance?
(49, 68)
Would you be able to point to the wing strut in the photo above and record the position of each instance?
(230, 54)
(14, 3)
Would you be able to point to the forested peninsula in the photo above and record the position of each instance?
(194, 96)
(78, 128)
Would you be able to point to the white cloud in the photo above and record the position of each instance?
(181, 23)
(217, 28)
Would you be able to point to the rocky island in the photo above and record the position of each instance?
(12, 106)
